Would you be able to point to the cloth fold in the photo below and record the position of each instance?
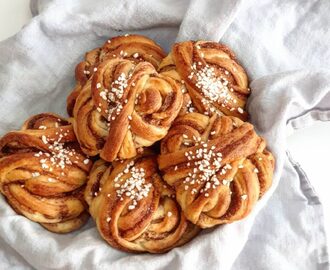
(285, 230)
(291, 229)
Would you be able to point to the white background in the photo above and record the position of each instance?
(309, 146)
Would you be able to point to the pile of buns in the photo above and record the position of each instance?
(156, 147)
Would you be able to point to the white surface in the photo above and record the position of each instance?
(13, 15)
(309, 146)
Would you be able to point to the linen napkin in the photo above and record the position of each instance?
(285, 230)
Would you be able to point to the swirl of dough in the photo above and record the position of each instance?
(43, 173)
(134, 209)
(218, 166)
(136, 48)
(123, 108)
(214, 79)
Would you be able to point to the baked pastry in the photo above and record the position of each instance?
(124, 107)
(214, 79)
(218, 166)
(133, 47)
(43, 173)
(134, 209)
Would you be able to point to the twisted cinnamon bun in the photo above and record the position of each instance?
(134, 209)
(43, 173)
(214, 79)
(133, 47)
(218, 166)
(123, 108)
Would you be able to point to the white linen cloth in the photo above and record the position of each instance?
(284, 45)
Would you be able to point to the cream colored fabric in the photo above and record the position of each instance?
(271, 36)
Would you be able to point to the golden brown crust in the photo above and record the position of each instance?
(134, 209)
(123, 108)
(218, 166)
(215, 81)
(135, 48)
(68, 225)
(43, 172)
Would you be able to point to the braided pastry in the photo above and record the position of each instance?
(123, 108)
(218, 166)
(43, 173)
(134, 209)
(133, 47)
(214, 79)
